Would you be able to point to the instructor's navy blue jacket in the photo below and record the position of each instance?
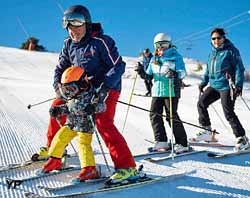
(98, 56)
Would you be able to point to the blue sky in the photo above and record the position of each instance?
(133, 24)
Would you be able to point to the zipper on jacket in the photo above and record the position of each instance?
(213, 63)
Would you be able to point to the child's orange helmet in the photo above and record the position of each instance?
(72, 74)
(73, 81)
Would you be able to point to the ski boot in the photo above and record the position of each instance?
(87, 173)
(126, 176)
(205, 136)
(52, 164)
(242, 143)
(160, 147)
(178, 148)
(42, 154)
(122, 176)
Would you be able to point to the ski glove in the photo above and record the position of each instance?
(139, 68)
(201, 87)
(90, 109)
(238, 91)
(171, 74)
(101, 94)
(55, 111)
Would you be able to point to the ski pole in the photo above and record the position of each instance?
(129, 102)
(245, 102)
(32, 105)
(171, 117)
(149, 141)
(99, 142)
(233, 87)
(184, 122)
(220, 118)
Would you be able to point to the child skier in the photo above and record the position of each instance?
(166, 66)
(79, 108)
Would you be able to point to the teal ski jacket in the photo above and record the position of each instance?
(170, 59)
(221, 62)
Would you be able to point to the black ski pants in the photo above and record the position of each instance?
(209, 96)
(148, 84)
(158, 104)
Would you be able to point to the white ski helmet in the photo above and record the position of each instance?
(162, 37)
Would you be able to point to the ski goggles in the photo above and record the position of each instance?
(69, 90)
(73, 19)
(162, 44)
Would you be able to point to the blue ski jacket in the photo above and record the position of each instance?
(221, 62)
(97, 54)
(146, 61)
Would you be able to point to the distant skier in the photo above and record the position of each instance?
(225, 75)
(97, 53)
(141, 68)
(80, 108)
(166, 66)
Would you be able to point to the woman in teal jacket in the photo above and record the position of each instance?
(225, 75)
(166, 66)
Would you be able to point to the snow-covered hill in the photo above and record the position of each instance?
(26, 78)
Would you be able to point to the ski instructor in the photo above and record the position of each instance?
(97, 54)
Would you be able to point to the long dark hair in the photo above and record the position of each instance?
(220, 31)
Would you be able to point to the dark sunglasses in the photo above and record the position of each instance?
(218, 38)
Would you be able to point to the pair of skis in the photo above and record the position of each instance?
(100, 182)
(209, 154)
(220, 154)
(141, 181)
(17, 181)
(173, 155)
(101, 187)
(13, 182)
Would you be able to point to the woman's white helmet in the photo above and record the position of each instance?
(162, 37)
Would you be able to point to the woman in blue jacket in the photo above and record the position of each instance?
(225, 75)
(166, 67)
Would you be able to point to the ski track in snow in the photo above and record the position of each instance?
(17, 130)
(22, 132)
